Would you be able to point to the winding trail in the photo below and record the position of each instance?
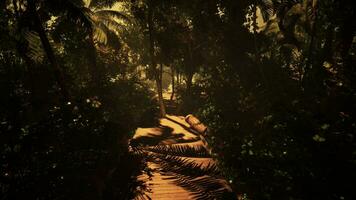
(174, 131)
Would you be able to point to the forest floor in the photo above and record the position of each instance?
(172, 131)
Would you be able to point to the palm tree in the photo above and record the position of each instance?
(31, 6)
(102, 23)
(98, 22)
(280, 8)
(157, 73)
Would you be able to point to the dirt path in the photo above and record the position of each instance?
(180, 168)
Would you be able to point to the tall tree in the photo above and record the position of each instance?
(32, 8)
(157, 72)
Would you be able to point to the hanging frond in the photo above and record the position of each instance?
(100, 35)
(99, 22)
(106, 30)
(74, 11)
(35, 49)
(267, 9)
(109, 23)
(89, 14)
(101, 3)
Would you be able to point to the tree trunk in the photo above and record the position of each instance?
(312, 38)
(178, 78)
(48, 49)
(160, 91)
(173, 86)
(257, 54)
(190, 70)
(160, 96)
(95, 73)
(153, 64)
(328, 54)
(347, 35)
(189, 83)
(312, 75)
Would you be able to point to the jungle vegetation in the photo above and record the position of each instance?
(274, 81)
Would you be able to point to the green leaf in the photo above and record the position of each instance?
(325, 126)
(318, 138)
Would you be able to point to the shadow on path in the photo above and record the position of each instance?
(164, 135)
(187, 128)
(179, 166)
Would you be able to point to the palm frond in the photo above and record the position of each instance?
(110, 24)
(180, 150)
(35, 49)
(100, 35)
(101, 3)
(177, 164)
(112, 14)
(142, 153)
(205, 187)
(88, 13)
(267, 9)
(141, 196)
(74, 11)
(105, 28)
(171, 165)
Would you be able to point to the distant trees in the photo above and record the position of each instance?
(145, 13)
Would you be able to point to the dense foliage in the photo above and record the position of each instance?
(274, 80)
(64, 131)
(280, 104)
